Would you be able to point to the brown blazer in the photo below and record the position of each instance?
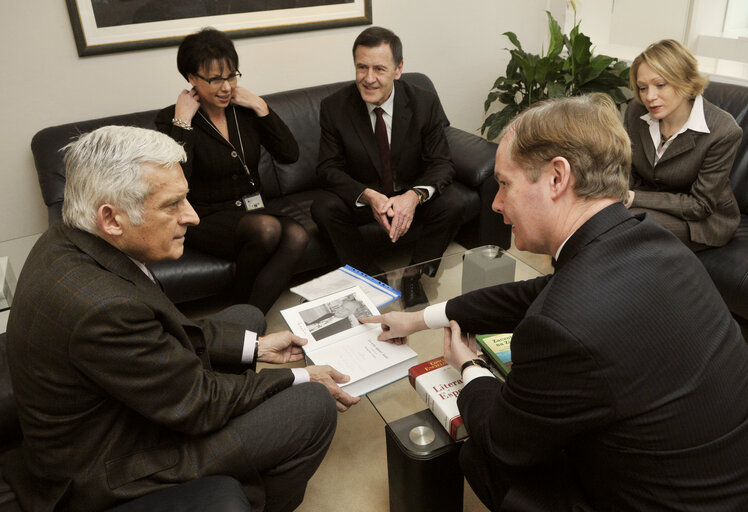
(692, 179)
(114, 385)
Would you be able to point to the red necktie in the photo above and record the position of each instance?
(380, 132)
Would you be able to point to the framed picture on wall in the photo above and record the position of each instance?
(108, 26)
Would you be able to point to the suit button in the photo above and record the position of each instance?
(200, 351)
(233, 154)
(238, 203)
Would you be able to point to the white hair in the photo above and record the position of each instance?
(105, 167)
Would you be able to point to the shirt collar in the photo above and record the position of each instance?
(387, 106)
(696, 121)
(142, 267)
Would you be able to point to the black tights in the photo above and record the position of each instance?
(268, 249)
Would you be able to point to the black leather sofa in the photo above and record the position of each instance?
(728, 265)
(293, 187)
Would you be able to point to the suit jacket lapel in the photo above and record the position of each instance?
(362, 124)
(682, 143)
(646, 141)
(400, 124)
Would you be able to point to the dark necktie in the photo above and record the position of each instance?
(380, 131)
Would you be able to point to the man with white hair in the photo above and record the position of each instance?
(119, 394)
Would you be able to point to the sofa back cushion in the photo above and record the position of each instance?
(298, 108)
(734, 99)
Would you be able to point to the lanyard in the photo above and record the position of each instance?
(242, 158)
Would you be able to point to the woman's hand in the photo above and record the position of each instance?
(247, 99)
(187, 105)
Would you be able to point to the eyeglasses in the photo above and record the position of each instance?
(217, 82)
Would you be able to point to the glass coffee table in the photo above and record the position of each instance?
(422, 461)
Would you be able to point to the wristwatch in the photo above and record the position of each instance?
(422, 195)
(474, 362)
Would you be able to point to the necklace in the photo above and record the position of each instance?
(242, 158)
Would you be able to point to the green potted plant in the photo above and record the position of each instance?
(568, 68)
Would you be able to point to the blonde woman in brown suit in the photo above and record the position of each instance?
(683, 149)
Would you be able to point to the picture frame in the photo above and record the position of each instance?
(110, 26)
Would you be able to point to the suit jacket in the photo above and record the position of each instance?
(692, 179)
(214, 168)
(349, 160)
(111, 381)
(626, 359)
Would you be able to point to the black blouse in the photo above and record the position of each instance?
(214, 167)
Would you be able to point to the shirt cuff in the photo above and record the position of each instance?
(300, 376)
(435, 316)
(426, 187)
(250, 343)
(473, 372)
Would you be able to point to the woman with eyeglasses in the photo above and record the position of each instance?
(222, 126)
(683, 148)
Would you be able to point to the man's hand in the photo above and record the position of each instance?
(381, 207)
(396, 325)
(330, 377)
(458, 349)
(402, 209)
(280, 347)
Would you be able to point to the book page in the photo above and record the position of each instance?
(332, 318)
(362, 355)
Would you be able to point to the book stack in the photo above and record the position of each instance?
(439, 385)
(497, 349)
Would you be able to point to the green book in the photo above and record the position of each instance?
(498, 350)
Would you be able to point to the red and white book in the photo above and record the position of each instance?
(439, 385)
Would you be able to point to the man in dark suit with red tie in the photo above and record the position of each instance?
(384, 155)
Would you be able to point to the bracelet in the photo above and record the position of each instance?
(474, 362)
(182, 124)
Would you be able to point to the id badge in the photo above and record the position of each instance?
(253, 202)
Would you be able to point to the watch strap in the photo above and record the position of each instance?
(474, 362)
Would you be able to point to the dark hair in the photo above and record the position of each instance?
(375, 36)
(203, 48)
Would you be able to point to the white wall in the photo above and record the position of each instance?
(44, 82)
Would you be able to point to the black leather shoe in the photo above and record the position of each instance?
(413, 293)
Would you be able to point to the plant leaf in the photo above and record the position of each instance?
(556, 43)
(513, 38)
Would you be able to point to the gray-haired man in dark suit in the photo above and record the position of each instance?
(119, 394)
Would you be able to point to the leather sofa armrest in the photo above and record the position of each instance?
(473, 156)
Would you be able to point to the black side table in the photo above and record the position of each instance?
(422, 465)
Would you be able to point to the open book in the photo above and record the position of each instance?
(335, 337)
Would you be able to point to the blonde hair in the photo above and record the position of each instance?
(585, 130)
(105, 167)
(673, 62)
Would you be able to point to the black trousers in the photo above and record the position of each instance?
(439, 218)
(552, 487)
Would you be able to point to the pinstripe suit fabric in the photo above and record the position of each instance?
(627, 362)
